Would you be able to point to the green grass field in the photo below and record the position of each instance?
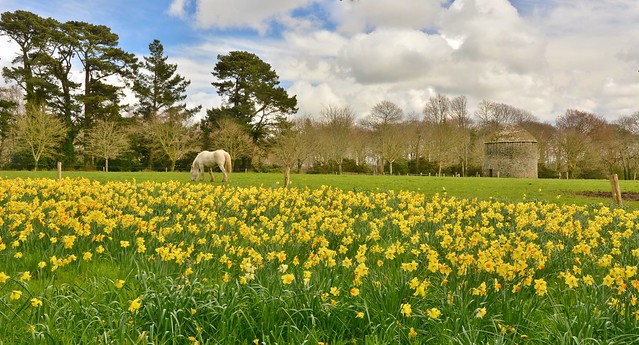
(506, 189)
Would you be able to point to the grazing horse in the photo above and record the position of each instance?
(208, 159)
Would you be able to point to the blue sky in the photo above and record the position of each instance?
(543, 56)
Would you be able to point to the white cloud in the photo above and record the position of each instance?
(492, 31)
(178, 8)
(243, 13)
(468, 55)
(353, 17)
(543, 56)
(8, 51)
(592, 55)
(395, 55)
(313, 98)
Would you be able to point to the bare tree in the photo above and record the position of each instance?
(609, 144)
(629, 151)
(39, 133)
(311, 134)
(106, 140)
(459, 112)
(388, 142)
(462, 131)
(439, 126)
(437, 110)
(484, 114)
(233, 138)
(546, 135)
(492, 115)
(398, 144)
(361, 145)
(416, 133)
(337, 127)
(171, 137)
(577, 133)
(630, 123)
(383, 113)
(289, 148)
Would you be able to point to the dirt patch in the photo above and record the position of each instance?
(633, 196)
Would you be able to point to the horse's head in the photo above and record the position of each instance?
(194, 172)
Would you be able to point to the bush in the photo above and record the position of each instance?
(545, 172)
(400, 167)
(331, 167)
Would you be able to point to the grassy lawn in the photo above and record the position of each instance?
(504, 189)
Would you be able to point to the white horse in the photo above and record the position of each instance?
(208, 159)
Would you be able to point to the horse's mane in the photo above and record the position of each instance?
(196, 163)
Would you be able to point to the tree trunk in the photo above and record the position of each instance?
(106, 165)
(287, 176)
(36, 158)
(417, 155)
(465, 164)
(390, 167)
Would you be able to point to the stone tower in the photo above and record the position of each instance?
(511, 152)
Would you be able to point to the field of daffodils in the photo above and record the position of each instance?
(84, 262)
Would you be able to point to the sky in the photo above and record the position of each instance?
(543, 56)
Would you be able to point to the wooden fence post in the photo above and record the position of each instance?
(59, 170)
(616, 191)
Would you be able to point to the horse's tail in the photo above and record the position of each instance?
(227, 162)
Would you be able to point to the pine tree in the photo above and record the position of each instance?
(158, 87)
(253, 96)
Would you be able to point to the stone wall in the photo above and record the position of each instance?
(510, 159)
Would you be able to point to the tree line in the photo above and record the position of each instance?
(447, 139)
(47, 117)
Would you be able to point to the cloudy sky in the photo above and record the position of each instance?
(544, 56)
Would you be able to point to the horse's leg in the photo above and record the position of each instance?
(201, 172)
(226, 177)
(211, 173)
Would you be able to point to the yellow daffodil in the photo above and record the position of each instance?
(433, 313)
(406, 310)
(412, 333)
(15, 294)
(540, 287)
(480, 313)
(571, 280)
(135, 305)
(288, 279)
(35, 302)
